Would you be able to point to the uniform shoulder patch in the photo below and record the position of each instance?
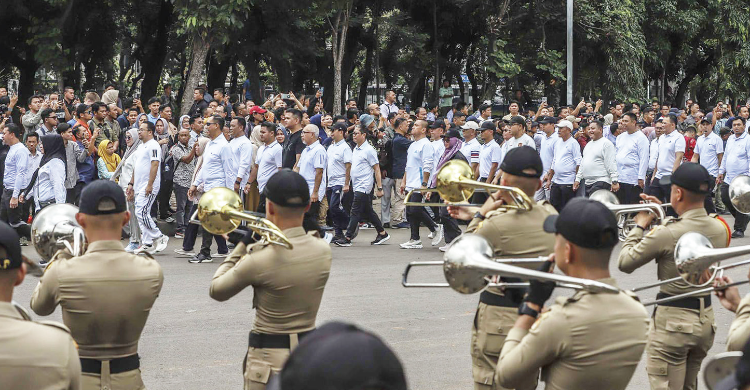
(632, 295)
(55, 324)
(539, 320)
(256, 246)
(655, 229)
(724, 224)
(497, 212)
(145, 254)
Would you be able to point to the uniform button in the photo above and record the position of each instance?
(257, 375)
(663, 370)
(679, 327)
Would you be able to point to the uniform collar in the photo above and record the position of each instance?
(272, 144)
(105, 246)
(8, 310)
(580, 293)
(297, 231)
(699, 212)
(313, 145)
(488, 144)
(343, 141)
(744, 133)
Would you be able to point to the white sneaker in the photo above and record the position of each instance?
(161, 243)
(182, 252)
(147, 248)
(221, 255)
(438, 236)
(444, 247)
(412, 244)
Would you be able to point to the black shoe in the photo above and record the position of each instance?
(387, 225)
(200, 258)
(738, 234)
(342, 241)
(380, 239)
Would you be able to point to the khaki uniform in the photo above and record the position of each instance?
(587, 341)
(106, 296)
(739, 331)
(679, 338)
(512, 234)
(36, 355)
(288, 287)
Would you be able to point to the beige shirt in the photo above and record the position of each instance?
(34, 355)
(659, 243)
(739, 331)
(288, 284)
(105, 295)
(587, 341)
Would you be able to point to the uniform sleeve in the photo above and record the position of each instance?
(45, 298)
(723, 166)
(234, 274)
(739, 331)
(525, 352)
(643, 151)
(321, 159)
(79, 152)
(474, 154)
(372, 158)
(720, 145)
(347, 156)
(58, 181)
(680, 145)
(639, 249)
(576, 153)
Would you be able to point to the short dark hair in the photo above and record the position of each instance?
(599, 124)
(193, 118)
(338, 118)
(483, 107)
(201, 90)
(62, 127)
(647, 109)
(295, 112)
(110, 84)
(132, 109)
(97, 105)
(164, 107)
(167, 85)
(32, 99)
(740, 118)
(68, 88)
(672, 118)
(392, 115)
(219, 120)
(460, 105)
(270, 126)
(46, 112)
(398, 122)
(150, 126)
(32, 134)
(351, 113)
(154, 100)
(632, 116)
(240, 121)
(15, 129)
(514, 102)
(219, 90)
(81, 109)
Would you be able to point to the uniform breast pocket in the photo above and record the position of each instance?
(258, 371)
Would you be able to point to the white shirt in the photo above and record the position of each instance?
(418, 160)
(438, 148)
(16, 162)
(126, 174)
(268, 161)
(470, 150)
(565, 161)
(709, 148)
(219, 167)
(387, 108)
(669, 145)
(606, 130)
(491, 153)
(50, 182)
(598, 162)
(34, 160)
(523, 140)
(364, 159)
(146, 153)
(312, 158)
(736, 157)
(653, 153)
(339, 154)
(242, 149)
(632, 157)
(547, 151)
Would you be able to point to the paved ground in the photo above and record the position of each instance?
(192, 342)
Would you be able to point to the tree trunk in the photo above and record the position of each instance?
(200, 50)
(365, 79)
(153, 61)
(216, 75)
(472, 77)
(26, 82)
(233, 78)
(338, 49)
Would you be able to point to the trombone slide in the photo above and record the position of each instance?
(529, 261)
(694, 293)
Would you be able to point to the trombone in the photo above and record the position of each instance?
(468, 263)
(621, 211)
(739, 193)
(220, 212)
(455, 183)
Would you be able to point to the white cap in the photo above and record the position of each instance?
(470, 125)
(565, 123)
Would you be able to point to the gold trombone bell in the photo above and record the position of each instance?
(455, 184)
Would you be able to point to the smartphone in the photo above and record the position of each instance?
(321, 90)
(544, 99)
(285, 96)
(271, 96)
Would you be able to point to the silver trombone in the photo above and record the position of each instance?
(468, 263)
(621, 211)
(739, 193)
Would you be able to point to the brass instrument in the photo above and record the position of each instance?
(455, 184)
(720, 367)
(739, 193)
(55, 228)
(622, 211)
(468, 263)
(220, 211)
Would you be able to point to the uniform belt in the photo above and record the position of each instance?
(116, 366)
(491, 299)
(265, 340)
(685, 303)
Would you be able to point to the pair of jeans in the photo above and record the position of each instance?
(416, 215)
(362, 206)
(183, 205)
(740, 220)
(560, 195)
(339, 214)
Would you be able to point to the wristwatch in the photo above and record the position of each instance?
(424, 184)
(380, 188)
(479, 215)
(524, 309)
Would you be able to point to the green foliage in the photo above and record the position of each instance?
(211, 19)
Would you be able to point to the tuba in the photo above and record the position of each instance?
(55, 228)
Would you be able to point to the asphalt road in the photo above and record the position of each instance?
(193, 342)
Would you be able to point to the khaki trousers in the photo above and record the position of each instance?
(128, 380)
(261, 363)
(488, 333)
(678, 341)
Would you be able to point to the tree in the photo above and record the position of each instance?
(341, 11)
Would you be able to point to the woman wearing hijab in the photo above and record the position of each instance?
(48, 181)
(184, 122)
(124, 173)
(453, 145)
(108, 159)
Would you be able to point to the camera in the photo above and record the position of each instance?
(3, 108)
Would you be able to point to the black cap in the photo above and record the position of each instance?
(339, 126)
(519, 161)
(517, 120)
(586, 223)
(690, 176)
(287, 188)
(452, 133)
(12, 243)
(705, 120)
(546, 120)
(93, 195)
(487, 125)
(438, 123)
(339, 356)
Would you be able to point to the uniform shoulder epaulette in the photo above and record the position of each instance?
(669, 220)
(495, 212)
(55, 324)
(146, 254)
(257, 246)
(632, 295)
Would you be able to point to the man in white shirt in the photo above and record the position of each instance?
(565, 163)
(196, 129)
(219, 169)
(312, 166)
(14, 176)
(671, 150)
(388, 106)
(548, 126)
(490, 157)
(632, 160)
(419, 164)
(268, 161)
(144, 186)
(364, 165)
(519, 138)
(242, 149)
(709, 150)
(598, 168)
(35, 157)
(470, 148)
(736, 162)
(339, 171)
(653, 153)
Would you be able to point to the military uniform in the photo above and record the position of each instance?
(513, 234)
(106, 296)
(36, 355)
(587, 341)
(288, 287)
(739, 331)
(682, 331)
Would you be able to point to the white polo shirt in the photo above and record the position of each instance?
(242, 148)
(339, 154)
(736, 157)
(364, 158)
(418, 160)
(312, 158)
(708, 149)
(567, 158)
(268, 161)
(669, 145)
(470, 150)
(489, 154)
(632, 157)
(547, 151)
(219, 167)
(653, 153)
(148, 152)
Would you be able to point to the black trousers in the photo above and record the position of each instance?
(206, 238)
(310, 221)
(480, 196)
(708, 203)
(560, 195)
(629, 193)
(165, 192)
(74, 194)
(664, 194)
(596, 186)
(416, 215)
(740, 220)
(362, 206)
(13, 216)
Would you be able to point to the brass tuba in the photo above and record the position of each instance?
(55, 228)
